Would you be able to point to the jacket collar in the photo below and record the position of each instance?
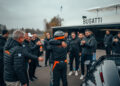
(17, 43)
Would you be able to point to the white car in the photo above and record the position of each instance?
(104, 72)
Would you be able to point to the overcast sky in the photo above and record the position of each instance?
(31, 13)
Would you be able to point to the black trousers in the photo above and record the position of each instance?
(47, 57)
(77, 61)
(32, 68)
(26, 73)
(60, 72)
(2, 83)
(108, 50)
(83, 59)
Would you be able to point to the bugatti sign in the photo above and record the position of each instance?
(96, 20)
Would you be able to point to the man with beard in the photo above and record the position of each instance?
(87, 44)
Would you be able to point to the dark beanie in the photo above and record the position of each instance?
(4, 32)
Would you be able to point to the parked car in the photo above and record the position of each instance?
(104, 72)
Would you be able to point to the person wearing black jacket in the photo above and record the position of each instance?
(46, 46)
(87, 44)
(15, 60)
(116, 44)
(108, 42)
(41, 51)
(29, 48)
(26, 46)
(58, 49)
(14, 70)
(94, 48)
(33, 64)
(81, 37)
(67, 38)
(3, 40)
(75, 50)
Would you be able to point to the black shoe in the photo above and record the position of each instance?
(35, 77)
(39, 65)
(31, 79)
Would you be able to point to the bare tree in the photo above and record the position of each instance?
(55, 21)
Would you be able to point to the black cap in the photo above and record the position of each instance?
(4, 32)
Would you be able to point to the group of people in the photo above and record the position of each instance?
(21, 53)
(112, 43)
(79, 47)
(19, 56)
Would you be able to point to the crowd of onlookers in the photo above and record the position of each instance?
(82, 47)
(21, 53)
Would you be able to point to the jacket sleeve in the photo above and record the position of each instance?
(90, 44)
(104, 40)
(1, 46)
(80, 48)
(111, 39)
(114, 43)
(29, 55)
(19, 67)
(70, 47)
(45, 45)
(34, 47)
(55, 42)
(51, 55)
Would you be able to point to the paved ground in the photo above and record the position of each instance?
(43, 75)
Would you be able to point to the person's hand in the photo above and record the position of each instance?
(29, 61)
(64, 44)
(68, 52)
(115, 40)
(39, 43)
(25, 85)
(83, 42)
(40, 59)
(80, 54)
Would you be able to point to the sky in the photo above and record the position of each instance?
(31, 13)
